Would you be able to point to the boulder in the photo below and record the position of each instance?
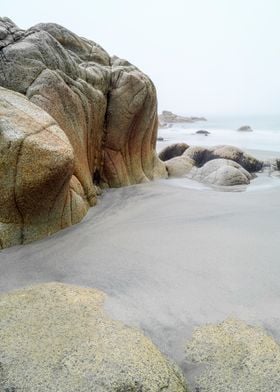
(201, 155)
(198, 154)
(234, 356)
(203, 132)
(82, 119)
(245, 128)
(56, 337)
(179, 166)
(221, 172)
(172, 151)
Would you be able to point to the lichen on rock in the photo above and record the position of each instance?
(238, 357)
(57, 337)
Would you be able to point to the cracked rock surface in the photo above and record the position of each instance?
(57, 337)
(83, 119)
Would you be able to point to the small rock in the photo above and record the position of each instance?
(245, 128)
(203, 132)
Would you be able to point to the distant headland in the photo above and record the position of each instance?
(166, 118)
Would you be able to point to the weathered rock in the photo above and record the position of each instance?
(201, 155)
(179, 166)
(236, 357)
(245, 128)
(221, 172)
(101, 128)
(39, 193)
(172, 151)
(203, 132)
(56, 337)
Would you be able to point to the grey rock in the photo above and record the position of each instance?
(245, 128)
(221, 172)
(203, 132)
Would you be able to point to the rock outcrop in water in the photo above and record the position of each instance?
(203, 132)
(56, 337)
(245, 128)
(167, 118)
(81, 119)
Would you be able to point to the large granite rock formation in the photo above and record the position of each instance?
(56, 337)
(82, 119)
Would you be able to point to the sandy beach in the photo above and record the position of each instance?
(171, 255)
(139, 196)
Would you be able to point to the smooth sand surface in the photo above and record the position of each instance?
(171, 256)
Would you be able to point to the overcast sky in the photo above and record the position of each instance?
(204, 56)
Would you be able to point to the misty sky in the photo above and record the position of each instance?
(204, 56)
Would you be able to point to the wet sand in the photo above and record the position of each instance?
(171, 255)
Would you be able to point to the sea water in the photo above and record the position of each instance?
(223, 130)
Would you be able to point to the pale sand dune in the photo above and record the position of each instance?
(169, 257)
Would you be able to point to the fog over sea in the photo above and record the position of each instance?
(223, 130)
